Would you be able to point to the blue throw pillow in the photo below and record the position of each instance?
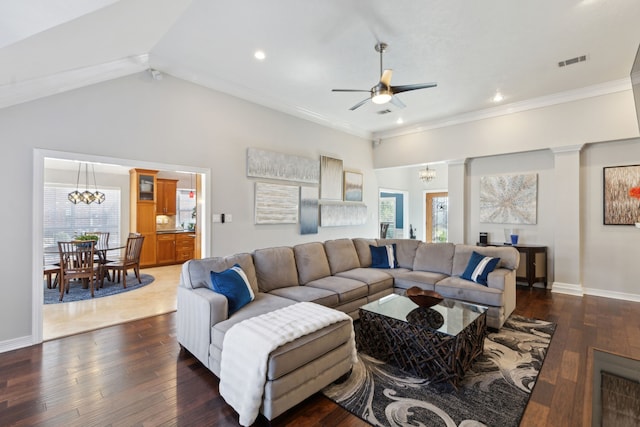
(479, 267)
(383, 256)
(233, 284)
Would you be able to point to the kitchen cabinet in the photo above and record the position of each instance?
(166, 196)
(166, 249)
(185, 246)
(142, 211)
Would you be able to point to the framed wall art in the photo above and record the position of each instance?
(276, 204)
(620, 207)
(330, 178)
(509, 199)
(352, 186)
(273, 165)
(309, 210)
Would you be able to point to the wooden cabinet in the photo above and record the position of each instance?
(175, 247)
(166, 196)
(142, 211)
(185, 246)
(166, 252)
(533, 263)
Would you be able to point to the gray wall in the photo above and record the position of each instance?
(170, 122)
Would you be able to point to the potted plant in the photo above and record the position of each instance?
(86, 238)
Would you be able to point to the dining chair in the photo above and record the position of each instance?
(49, 270)
(76, 263)
(100, 251)
(131, 260)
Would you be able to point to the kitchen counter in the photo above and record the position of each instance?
(174, 231)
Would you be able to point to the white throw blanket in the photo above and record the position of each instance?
(247, 345)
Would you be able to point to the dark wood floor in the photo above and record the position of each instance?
(135, 374)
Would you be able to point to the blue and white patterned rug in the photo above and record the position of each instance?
(77, 293)
(494, 392)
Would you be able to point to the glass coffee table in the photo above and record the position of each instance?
(438, 343)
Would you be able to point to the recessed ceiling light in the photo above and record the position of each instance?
(259, 55)
(498, 97)
(399, 121)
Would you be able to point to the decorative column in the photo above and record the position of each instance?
(567, 242)
(457, 190)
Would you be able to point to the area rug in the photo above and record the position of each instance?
(77, 293)
(494, 392)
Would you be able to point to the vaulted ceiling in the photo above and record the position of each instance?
(472, 49)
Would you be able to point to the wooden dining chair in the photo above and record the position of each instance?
(100, 254)
(131, 260)
(50, 270)
(76, 263)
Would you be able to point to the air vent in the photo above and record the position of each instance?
(572, 61)
(384, 111)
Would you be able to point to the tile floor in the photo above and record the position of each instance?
(156, 298)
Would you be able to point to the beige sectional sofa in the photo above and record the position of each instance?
(336, 274)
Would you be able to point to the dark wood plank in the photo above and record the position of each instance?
(135, 374)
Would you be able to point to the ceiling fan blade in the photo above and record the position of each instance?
(359, 104)
(386, 77)
(350, 90)
(406, 88)
(396, 101)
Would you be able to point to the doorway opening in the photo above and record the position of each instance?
(393, 214)
(42, 159)
(436, 218)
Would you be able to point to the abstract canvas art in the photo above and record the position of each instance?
(276, 204)
(272, 165)
(352, 187)
(619, 207)
(330, 178)
(509, 199)
(309, 210)
(340, 214)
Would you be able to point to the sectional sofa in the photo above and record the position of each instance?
(336, 274)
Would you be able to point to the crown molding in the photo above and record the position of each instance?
(516, 107)
(29, 90)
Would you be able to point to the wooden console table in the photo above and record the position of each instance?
(533, 263)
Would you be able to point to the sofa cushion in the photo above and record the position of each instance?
(234, 285)
(342, 255)
(347, 289)
(405, 250)
(376, 280)
(509, 256)
(465, 290)
(311, 262)
(275, 268)
(363, 251)
(196, 273)
(422, 279)
(320, 296)
(479, 267)
(436, 257)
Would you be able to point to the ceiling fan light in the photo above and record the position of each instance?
(381, 98)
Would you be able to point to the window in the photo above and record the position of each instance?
(185, 208)
(63, 220)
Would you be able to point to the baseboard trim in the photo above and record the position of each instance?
(612, 294)
(15, 343)
(567, 288)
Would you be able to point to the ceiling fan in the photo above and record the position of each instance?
(383, 92)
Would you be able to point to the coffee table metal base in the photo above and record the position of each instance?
(423, 352)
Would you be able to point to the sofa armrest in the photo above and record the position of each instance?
(498, 278)
(505, 280)
(198, 310)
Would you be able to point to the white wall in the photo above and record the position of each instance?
(170, 122)
(610, 252)
(608, 128)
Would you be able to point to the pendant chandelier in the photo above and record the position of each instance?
(86, 196)
(427, 175)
